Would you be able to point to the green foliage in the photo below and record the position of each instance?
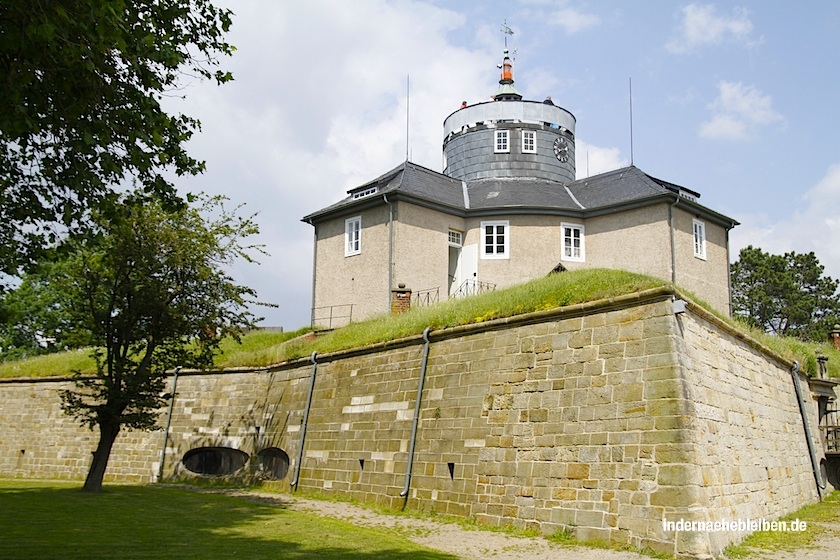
(47, 520)
(32, 321)
(149, 291)
(80, 106)
(785, 294)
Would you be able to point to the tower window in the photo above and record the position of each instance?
(502, 144)
(529, 142)
(573, 248)
(352, 236)
(495, 240)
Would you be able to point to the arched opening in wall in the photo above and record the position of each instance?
(214, 461)
(274, 462)
(830, 470)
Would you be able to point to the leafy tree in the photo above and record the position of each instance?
(81, 83)
(785, 294)
(151, 292)
(33, 319)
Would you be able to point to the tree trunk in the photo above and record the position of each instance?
(108, 432)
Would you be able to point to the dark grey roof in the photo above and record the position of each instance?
(605, 193)
(615, 187)
(512, 193)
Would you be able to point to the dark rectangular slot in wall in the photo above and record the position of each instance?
(451, 470)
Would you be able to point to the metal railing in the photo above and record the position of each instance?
(424, 298)
(471, 287)
(332, 316)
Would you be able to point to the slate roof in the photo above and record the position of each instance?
(608, 192)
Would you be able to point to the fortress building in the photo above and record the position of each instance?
(507, 209)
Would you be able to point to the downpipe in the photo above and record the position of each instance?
(423, 361)
(673, 240)
(168, 424)
(815, 466)
(294, 483)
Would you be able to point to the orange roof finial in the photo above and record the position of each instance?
(507, 70)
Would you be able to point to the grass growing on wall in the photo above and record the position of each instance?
(255, 345)
(553, 291)
(42, 520)
(261, 348)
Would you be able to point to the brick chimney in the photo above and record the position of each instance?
(835, 336)
(400, 300)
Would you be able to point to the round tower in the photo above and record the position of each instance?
(509, 137)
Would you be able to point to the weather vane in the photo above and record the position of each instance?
(507, 31)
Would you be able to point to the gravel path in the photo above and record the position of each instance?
(477, 544)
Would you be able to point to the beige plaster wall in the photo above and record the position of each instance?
(637, 240)
(362, 279)
(534, 249)
(421, 247)
(708, 279)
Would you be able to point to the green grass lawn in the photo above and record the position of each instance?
(56, 520)
(827, 511)
(260, 348)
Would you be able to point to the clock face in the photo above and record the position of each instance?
(561, 149)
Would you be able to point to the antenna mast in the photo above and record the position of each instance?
(407, 100)
(631, 120)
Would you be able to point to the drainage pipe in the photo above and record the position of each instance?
(390, 246)
(673, 240)
(815, 466)
(423, 362)
(294, 483)
(168, 423)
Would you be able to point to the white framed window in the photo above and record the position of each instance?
(529, 142)
(456, 238)
(352, 236)
(495, 240)
(573, 243)
(502, 144)
(699, 239)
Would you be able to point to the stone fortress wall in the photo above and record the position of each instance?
(601, 418)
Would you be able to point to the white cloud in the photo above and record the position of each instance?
(738, 111)
(573, 20)
(815, 226)
(318, 106)
(592, 160)
(702, 26)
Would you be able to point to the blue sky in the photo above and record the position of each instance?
(738, 101)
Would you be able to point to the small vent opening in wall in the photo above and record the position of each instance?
(451, 470)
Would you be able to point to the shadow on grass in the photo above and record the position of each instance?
(56, 520)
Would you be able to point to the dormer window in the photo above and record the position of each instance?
(365, 192)
(687, 195)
